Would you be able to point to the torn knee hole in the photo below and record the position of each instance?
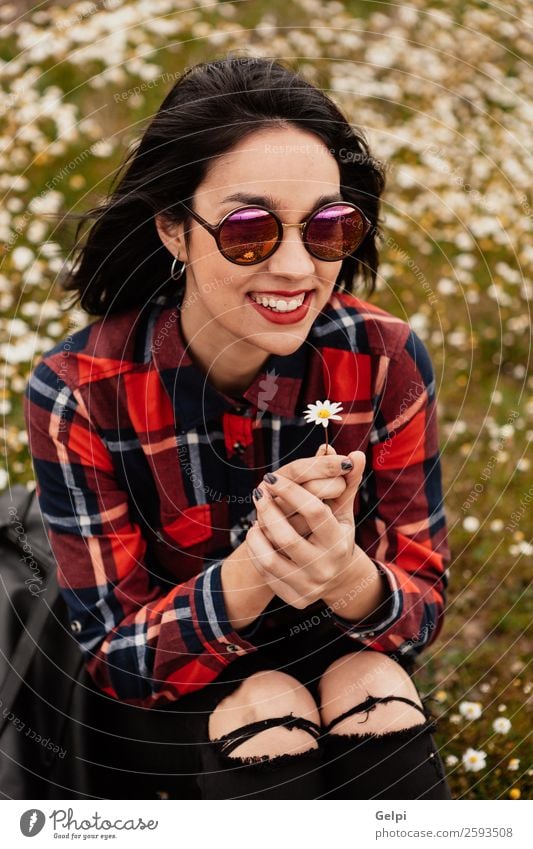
(370, 704)
(230, 741)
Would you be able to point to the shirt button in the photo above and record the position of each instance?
(231, 647)
(75, 626)
(239, 447)
(237, 409)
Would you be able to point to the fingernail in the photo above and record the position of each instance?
(270, 478)
(257, 494)
(346, 465)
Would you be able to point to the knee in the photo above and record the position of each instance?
(264, 695)
(352, 678)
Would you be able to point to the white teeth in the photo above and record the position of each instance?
(279, 304)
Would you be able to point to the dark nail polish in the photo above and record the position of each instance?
(346, 465)
(270, 478)
(257, 494)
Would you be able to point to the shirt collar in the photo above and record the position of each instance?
(275, 388)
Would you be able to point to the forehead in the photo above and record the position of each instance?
(279, 165)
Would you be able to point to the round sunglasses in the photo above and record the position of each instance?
(251, 234)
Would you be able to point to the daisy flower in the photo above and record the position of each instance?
(513, 764)
(470, 710)
(501, 725)
(471, 524)
(451, 760)
(474, 760)
(321, 413)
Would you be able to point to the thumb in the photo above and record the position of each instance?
(343, 506)
(322, 450)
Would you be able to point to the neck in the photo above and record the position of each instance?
(231, 365)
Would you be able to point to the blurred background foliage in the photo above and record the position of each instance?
(442, 91)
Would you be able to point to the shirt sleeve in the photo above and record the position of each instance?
(141, 644)
(401, 523)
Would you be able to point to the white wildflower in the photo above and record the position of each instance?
(474, 760)
(501, 725)
(322, 412)
(22, 257)
(470, 710)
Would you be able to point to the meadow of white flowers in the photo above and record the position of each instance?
(443, 92)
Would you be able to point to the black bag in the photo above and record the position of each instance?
(60, 737)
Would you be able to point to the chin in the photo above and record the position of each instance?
(284, 343)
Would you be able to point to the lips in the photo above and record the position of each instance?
(282, 293)
(284, 317)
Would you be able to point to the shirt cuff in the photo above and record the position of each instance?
(213, 617)
(393, 610)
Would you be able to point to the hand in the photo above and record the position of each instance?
(301, 571)
(305, 473)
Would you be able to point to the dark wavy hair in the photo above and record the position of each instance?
(212, 106)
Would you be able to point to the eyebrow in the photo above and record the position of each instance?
(276, 203)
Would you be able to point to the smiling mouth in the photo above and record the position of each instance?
(279, 303)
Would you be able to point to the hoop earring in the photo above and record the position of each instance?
(181, 272)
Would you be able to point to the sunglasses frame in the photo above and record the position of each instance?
(215, 229)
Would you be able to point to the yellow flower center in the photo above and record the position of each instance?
(324, 414)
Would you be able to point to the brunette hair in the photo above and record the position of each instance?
(212, 106)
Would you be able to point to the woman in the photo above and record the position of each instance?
(277, 617)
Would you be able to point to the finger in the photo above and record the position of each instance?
(280, 532)
(298, 522)
(292, 517)
(314, 468)
(326, 487)
(343, 506)
(317, 514)
(323, 488)
(268, 562)
(322, 450)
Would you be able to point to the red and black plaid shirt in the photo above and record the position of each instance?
(144, 478)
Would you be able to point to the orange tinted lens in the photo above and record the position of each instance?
(248, 236)
(335, 232)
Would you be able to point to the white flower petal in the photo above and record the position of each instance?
(501, 725)
(474, 760)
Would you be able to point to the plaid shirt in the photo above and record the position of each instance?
(144, 475)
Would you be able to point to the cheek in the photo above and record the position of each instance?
(224, 305)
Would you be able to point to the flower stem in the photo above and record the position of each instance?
(326, 439)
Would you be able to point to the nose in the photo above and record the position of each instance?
(291, 259)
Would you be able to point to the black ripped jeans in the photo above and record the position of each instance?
(169, 753)
(395, 765)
